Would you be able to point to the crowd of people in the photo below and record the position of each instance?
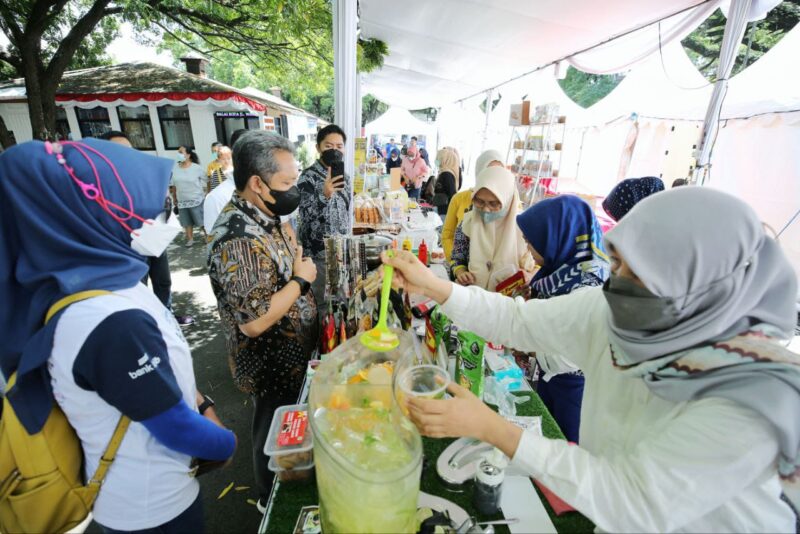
(658, 350)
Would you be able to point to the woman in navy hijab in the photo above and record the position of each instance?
(69, 213)
(565, 239)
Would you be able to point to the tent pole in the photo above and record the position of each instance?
(734, 31)
(486, 122)
(347, 91)
(345, 24)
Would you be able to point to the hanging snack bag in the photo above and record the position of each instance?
(469, 361)
(437, 329)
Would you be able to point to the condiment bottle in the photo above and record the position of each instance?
(489, 482)
(407, 244)
(423, 252)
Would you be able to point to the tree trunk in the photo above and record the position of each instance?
(6, 139)
(29, 53)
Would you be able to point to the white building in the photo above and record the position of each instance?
(159, 108)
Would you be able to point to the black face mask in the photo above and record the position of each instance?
(331, 156)
(285, 201)
(636, 308)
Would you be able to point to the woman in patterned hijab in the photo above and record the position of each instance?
(628, 193)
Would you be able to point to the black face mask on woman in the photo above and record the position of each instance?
(331, 156)
(636, 308)
(285, 201)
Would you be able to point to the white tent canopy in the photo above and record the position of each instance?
(397, 121)
(447, 50)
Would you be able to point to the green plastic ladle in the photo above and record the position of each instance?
(380, 338)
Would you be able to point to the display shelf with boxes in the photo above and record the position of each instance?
(535, 149)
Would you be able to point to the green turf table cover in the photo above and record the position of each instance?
(290, 497)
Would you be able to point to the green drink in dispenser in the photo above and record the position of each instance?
(368, 455)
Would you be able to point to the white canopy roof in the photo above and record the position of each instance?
(396, 121)
(447, 50)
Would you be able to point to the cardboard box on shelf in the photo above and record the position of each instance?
(520, 114)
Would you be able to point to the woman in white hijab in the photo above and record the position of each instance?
(691, 411)
(488, 245)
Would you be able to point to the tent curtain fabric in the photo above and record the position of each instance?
(623, 53)
(734, 31)
(491, 43)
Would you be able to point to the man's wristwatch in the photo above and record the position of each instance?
(304, 284)
(208, 402)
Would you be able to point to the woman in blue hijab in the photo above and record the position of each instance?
(566, 241)
(70, 217)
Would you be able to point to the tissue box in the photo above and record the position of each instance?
(504, 368)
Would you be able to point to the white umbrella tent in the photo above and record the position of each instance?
(396, 122)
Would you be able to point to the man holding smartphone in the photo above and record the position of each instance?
(325, 202)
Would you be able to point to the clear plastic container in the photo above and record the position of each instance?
(368, 455)
(289, 432)
(302, 471)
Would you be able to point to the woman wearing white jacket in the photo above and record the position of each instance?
(691, 411)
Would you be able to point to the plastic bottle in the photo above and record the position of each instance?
(423, 252)
(489, 482)
(396, 210)
(407, 244)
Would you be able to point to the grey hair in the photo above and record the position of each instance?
(254, 154)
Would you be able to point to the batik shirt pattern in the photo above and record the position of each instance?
(321, 217)
(250, 259)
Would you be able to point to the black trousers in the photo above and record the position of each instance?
(263, 409)
(160, 279)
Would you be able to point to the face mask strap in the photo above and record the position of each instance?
(94, 192)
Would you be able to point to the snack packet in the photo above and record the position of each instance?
(437, 329)
(469, 361)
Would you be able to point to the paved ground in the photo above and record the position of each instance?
(192, 295)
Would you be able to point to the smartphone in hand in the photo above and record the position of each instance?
(337, 172)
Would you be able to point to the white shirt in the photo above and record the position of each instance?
(218, 198)
(215, 201)
(645, 464)
(148, 484)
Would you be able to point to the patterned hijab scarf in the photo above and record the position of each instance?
(565, 232)
(734, 291)
(628, 193)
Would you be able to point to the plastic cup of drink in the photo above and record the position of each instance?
(426, 381)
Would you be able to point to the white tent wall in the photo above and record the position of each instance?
(460, 125)
(758, 160)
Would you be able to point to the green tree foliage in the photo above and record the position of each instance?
(49, 36)
(306, 82)
(585, 88)
(703, 47)
(371, 109)
(704, 43)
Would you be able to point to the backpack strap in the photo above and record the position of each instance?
(71, 299)
(93, 486)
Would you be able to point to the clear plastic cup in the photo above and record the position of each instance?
(426, 381)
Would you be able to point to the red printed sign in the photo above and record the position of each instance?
(293, 428)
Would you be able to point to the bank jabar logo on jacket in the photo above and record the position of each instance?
(146, 365)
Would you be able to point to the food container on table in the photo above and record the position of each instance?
(298, 472)
(368, 455)
(290, 443)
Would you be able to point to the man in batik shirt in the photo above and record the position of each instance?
(262, 286)
(324, 202)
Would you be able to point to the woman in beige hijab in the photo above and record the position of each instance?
(446, 184)
(488, 245)
(462, 202)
